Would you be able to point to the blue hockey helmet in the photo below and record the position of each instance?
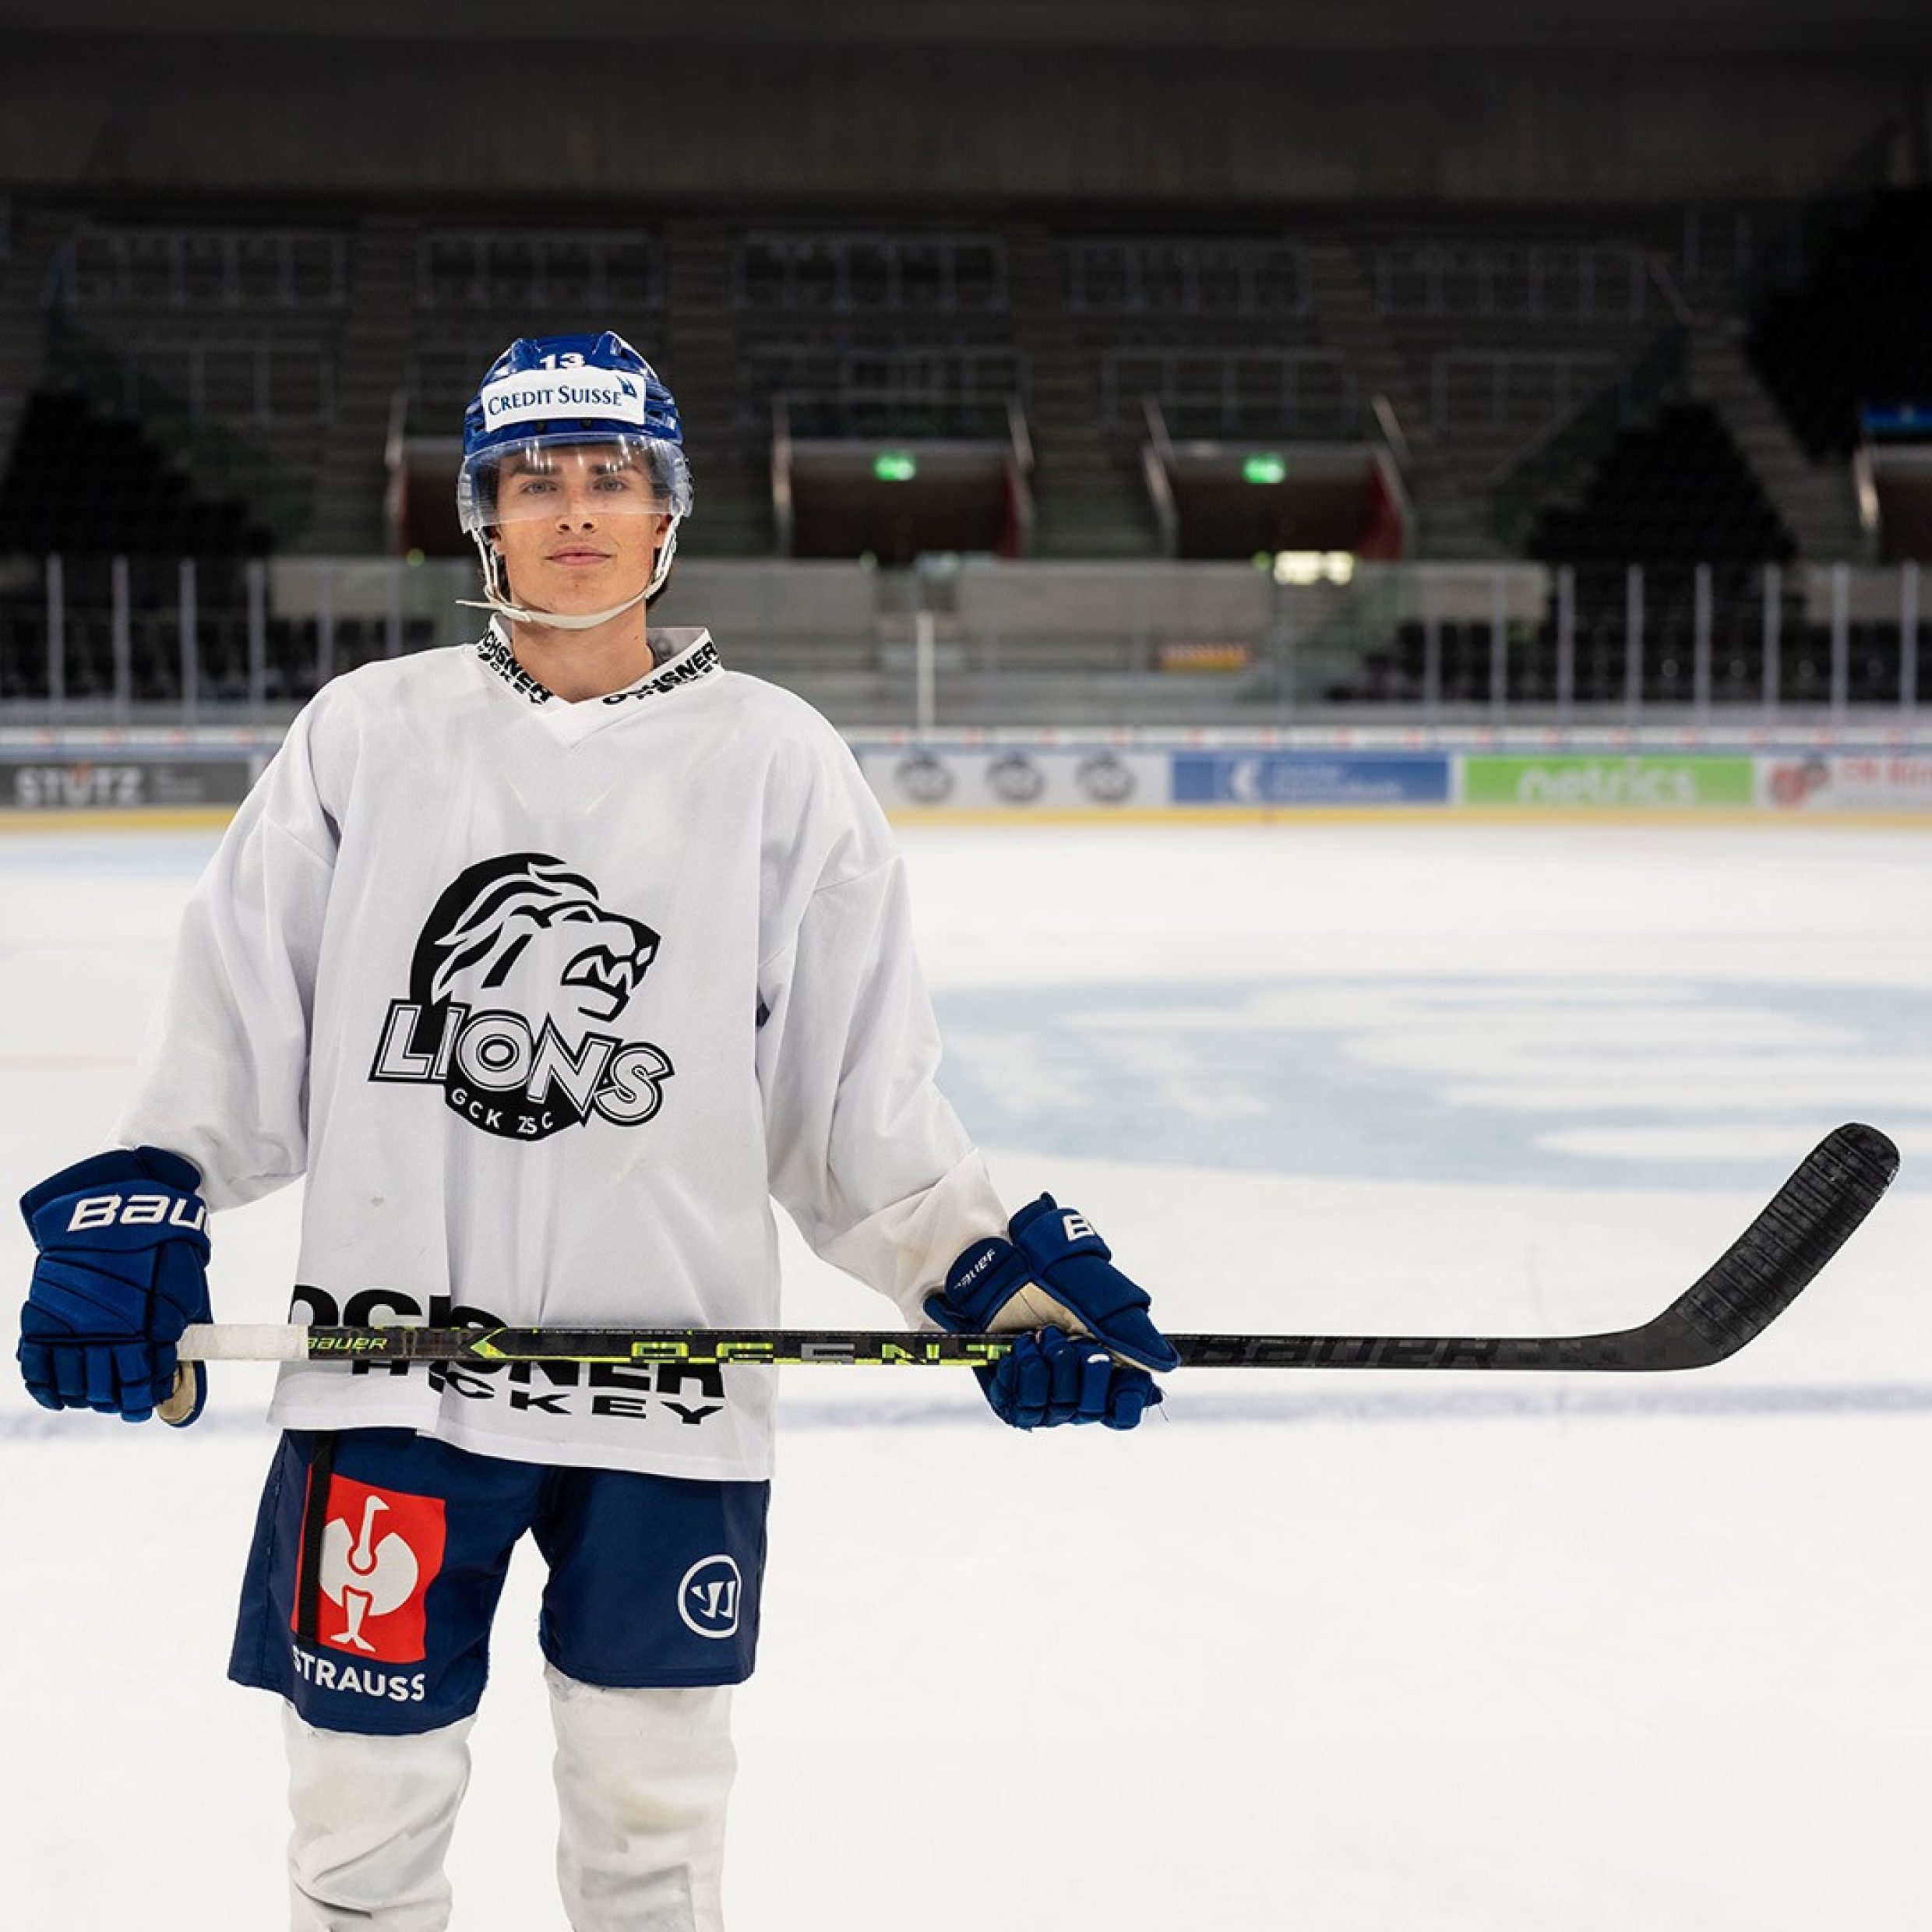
(546, 393)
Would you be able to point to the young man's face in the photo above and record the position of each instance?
(577, 526)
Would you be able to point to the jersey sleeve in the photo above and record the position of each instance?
(865, 1154)
(222, 1077)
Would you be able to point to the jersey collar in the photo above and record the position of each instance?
(693, 658)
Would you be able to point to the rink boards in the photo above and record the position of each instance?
(168, 777)
(1233, 774)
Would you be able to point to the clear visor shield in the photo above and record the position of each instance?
(552, 478)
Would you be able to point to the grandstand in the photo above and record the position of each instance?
(1589, 438)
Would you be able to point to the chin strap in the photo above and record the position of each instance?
(549, 620)
(495, 591)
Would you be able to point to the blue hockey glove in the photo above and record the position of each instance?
(1050, 1378)
(122, 1270)
(1055, 1273)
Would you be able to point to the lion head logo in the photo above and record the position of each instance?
(526, 932)
(518, 973)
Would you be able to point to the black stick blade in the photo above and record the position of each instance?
(1758, 1277)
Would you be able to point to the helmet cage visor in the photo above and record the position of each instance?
(590, 472)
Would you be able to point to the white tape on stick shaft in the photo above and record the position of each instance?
(242, 1342)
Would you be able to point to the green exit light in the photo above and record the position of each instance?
(894, 466)
(1267, 469)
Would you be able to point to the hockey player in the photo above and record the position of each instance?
(549, 962)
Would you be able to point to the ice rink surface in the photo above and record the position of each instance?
(1341, 1651)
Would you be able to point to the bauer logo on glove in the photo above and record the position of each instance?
(138, 1211)
(122, 1269)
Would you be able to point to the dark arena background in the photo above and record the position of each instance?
(1052, 364)
(1374, 554)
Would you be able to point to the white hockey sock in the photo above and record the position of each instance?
(373, 1816)
(642, 1780)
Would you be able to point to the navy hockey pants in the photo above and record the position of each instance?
(379, 1555)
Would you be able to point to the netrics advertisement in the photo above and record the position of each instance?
(1622, 782)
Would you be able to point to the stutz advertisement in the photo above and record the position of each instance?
(46, 781)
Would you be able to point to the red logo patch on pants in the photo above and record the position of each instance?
(380, 1550)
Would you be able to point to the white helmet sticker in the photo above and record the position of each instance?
(610, 395)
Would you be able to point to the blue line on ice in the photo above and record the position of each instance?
(1900, 1398)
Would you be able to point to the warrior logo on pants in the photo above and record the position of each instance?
(381, 1550)
(516, 972)
(707, 1597)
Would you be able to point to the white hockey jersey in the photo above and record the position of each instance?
(548, 1000)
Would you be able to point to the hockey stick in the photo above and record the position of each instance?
(1804, 1223)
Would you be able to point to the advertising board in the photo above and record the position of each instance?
(1235, 777)
(112, 781)
(1635, 781)
(1846, 781)
(1019, 778)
